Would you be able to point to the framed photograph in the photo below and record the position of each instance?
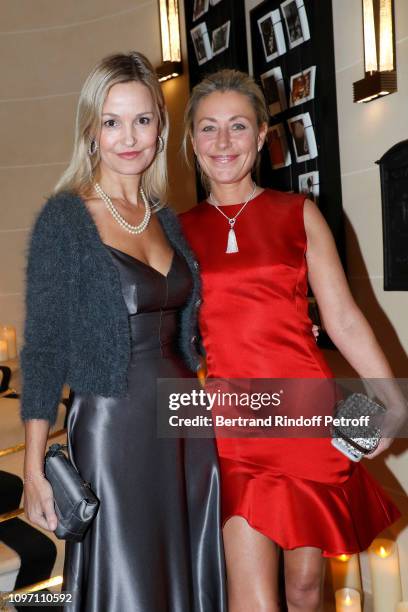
(304, 141)
(214, 2)
(274, 90)
(201, 42)
(297, 25)
(309, 185)
(273, 39)
(278, 147)
(220, 38)
(200, 8)
(302, 86)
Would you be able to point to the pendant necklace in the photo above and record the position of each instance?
(232, 244)
(132, 229)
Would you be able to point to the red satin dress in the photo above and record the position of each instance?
(254, 324)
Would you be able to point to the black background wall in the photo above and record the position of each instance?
(236, 55)
(319, 52)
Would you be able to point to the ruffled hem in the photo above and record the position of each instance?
(295, 512)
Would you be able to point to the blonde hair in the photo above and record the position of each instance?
(223, 81)
(118, 68)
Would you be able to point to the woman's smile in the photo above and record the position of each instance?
(129, 154)
(223, 159)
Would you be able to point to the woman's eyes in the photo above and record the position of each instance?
(235, 127)
(110, 123)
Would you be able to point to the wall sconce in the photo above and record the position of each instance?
(170, 40)
(379, 52)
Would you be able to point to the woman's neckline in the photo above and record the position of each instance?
(236, 203)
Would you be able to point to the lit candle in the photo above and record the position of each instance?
(345, 571)
(385, 575)
(402, 606)
(3, 350)
(348, 600)
(9, 334)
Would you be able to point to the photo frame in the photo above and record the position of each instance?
(272, 36)
(274, 90)
(278, 149)
(200, 8)
(309, 185)
(220, 38)
(201, 42)
(302, 86)
(303, 136)
(296, 22)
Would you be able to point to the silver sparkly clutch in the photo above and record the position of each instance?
(354, 439)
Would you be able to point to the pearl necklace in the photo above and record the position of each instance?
(132, 229)
(232, 244)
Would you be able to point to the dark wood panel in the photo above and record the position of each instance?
(394, 192)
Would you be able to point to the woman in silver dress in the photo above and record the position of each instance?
(112, 292)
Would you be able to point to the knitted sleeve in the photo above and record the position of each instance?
(46, 341)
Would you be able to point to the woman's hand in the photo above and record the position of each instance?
(394, 424)
(384, 444)
(39, 502)
(38, 495)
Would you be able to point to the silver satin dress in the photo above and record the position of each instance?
(155, 545)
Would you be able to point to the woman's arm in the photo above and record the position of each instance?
(46, 333)
(43, 358)
(38, 497)
(343, 320)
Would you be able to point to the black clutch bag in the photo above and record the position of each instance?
(75, 503)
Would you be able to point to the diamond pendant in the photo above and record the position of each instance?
(232, 244)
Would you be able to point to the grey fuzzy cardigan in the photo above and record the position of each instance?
(77, 325)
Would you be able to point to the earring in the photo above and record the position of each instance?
(160, 144)
(93, 147)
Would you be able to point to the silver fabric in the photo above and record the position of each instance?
(155, 545)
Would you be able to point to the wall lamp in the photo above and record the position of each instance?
(170, 41)
(379, 52)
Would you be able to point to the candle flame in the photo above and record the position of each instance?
(348, 600)
(383, 553)
(344, 557)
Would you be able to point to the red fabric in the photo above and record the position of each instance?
(254, 324)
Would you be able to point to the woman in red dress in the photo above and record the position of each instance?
(302, 495)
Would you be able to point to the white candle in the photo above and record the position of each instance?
(9, 334)
(402, 606)
(385, 575)
(348, 600)
(3, 350)
(345, 571)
